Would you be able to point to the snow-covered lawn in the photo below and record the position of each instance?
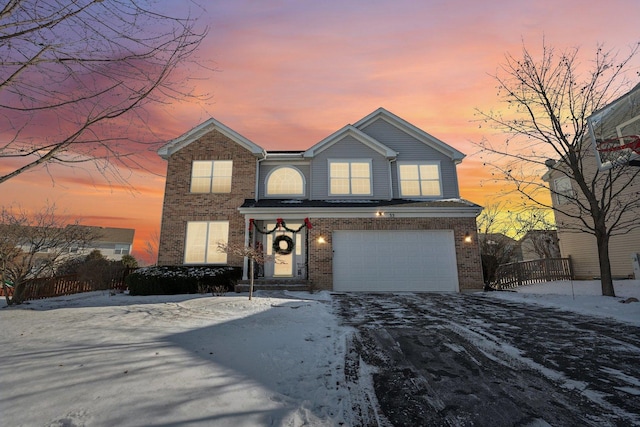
(99, 360)
(583, 297)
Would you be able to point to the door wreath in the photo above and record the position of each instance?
(280, 250)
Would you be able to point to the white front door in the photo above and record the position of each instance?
(288, 265)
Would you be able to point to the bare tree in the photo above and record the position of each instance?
(548, 100)
(502, 233)
(151, 247)
(496, 247)
(32, 246)
(254, 255)
(77, 79)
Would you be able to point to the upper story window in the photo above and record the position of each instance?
(211, 176)
(563, 190)
(419, 179)
(350, 177)
(285, 181)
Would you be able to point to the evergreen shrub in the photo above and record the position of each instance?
(172, 280)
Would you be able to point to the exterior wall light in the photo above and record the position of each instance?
(321, 240)
(468, 238)
(379, 213)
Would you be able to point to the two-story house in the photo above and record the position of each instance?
(373, 207)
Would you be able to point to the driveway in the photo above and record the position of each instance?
(462, 360)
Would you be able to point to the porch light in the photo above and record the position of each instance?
(467, 238)
(321, 240)
(379, 213)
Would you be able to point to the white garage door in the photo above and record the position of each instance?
(392, 261)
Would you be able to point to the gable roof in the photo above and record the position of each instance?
(197, 132)
(417, 133)
(360, 136)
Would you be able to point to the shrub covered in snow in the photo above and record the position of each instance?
(170, 280)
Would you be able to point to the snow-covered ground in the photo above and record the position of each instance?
(583, 297)
(99, 360)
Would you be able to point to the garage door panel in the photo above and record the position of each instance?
(394, 261)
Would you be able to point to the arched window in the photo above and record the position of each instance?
(285, 181)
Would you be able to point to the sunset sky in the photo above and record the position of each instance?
(289, 73)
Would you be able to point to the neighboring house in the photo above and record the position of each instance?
(504, 248)
(581, 247)
(538, 244)
(373, 207)
(112, 243)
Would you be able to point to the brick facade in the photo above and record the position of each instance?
(467, 254)
(181, 206)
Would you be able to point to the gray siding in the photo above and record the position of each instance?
(411, 149)
(266, 168)
(350, 148)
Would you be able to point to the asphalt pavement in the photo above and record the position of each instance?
(473, 360)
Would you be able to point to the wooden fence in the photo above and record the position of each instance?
(48, 287)
(536, 271)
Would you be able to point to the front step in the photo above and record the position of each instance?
(273, 285)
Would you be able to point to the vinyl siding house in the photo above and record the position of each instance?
(374, 206)
(112, 242)
(581, 247)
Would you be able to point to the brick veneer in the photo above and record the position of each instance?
(467, 254)
(181, 206)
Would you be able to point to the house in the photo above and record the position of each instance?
(581, 246)
(374, 206)
(538, 244)
(112, 242)
(504, 248)
(612, 127)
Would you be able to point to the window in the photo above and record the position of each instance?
(285, 181)
(419, 179)
(563, 190)
(350, 177)
(202, 242)
(211, 176)
(121, 249)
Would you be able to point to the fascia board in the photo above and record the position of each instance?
(355, 212)
(194, 134)
(360, 136)
(412, 130)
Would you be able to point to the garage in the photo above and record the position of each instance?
(394, 261)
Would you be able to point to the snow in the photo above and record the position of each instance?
(100, 359)
(584, 297)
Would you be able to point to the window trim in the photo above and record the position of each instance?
(210, 177)
(206, 248)
(565, 197)
(437, 163)
(288, 195)
(350, 161)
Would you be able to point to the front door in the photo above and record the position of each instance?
(284, 265)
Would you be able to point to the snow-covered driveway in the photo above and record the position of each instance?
(452, 359)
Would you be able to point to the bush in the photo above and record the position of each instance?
(181, 280)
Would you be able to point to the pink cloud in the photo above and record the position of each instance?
(290, 73)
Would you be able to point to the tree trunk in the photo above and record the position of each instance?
(19, 290)
(606, 280)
